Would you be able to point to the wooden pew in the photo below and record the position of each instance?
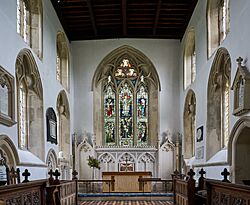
(61, 192)
(220, 193)
(184, 190)
(24, 193)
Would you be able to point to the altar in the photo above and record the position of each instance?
(126, 181)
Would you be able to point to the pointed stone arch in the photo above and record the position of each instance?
(189, 116)
(218, 103)
(8, 151)
(30, 104)
(239, 150)
(63, 111)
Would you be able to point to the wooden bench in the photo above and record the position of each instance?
(184, 189)
(220, 193)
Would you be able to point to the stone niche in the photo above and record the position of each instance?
(241, 88)
(7, 114)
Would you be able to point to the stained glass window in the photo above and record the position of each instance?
(23, 115)
(109, 115)
(142, 115)
(125, 106)
(126, 115)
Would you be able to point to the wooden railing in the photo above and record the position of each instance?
(156, 185)
(96, 186)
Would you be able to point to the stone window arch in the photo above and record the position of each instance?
(189, 124)
(189, 59)
(126, 87)
(62, 60)
(63, 125)
(8, 152)
(29, 23)
(29, 104)
(218, 23)
(7, 99)
(218, 103)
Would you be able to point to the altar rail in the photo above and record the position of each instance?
(158, 185)
(95, 186)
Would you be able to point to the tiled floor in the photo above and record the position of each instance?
(132, 202)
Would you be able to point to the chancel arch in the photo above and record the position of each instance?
(30, 104)
(8, 153)
(189, 124)
(126, 87)
(239, 150)
(218, 103)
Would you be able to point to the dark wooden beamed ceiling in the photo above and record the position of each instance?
(105, 19)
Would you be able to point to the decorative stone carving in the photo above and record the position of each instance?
(168, 146)
(106, 158)
(146, 158)
(126, 157)
(241, 88)
(85, 146)
(7, 100)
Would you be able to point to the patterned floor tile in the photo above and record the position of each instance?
(153, 202)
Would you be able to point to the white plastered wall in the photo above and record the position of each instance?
(11, 43)
(237, 43)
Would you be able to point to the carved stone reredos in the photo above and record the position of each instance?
(168, 146)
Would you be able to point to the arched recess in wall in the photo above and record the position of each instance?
(189, 118)
(51, 160)
(8, 152)
(218, 103)
(62, 60)
(239, 150)
(218, 23)
(30, 24)
(63, 124)
(126, 77)
(189, 59)
(30, 104)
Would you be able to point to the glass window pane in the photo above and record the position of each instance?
(126, 115)
(142, 115)
(109, 115)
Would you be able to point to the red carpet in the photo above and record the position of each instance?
(154, 202)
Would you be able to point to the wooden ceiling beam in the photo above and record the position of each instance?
(157, 16)
(57, 8)
(92, 17)
(124, 17)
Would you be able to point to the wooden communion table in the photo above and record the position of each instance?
(126, 181)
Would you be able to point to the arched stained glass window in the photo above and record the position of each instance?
(109, 115)
(142, 115)
(125, 106)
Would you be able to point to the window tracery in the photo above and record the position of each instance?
(126, 91)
